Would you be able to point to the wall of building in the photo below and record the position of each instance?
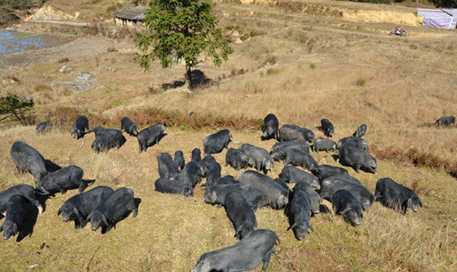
(128, 23)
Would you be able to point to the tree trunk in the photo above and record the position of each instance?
(189, 76)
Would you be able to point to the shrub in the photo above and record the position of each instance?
(445, 3)
(360, 82)
(18, 108)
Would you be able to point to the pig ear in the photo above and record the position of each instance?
(105, 221)
(345, 210)
(377, 196)
(238, 233)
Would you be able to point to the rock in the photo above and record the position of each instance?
(236, 37)
(65, 69)
(84, 81)
(10, 80)
(33, 266)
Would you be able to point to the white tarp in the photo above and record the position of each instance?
(439, 18)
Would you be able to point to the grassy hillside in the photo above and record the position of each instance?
(172, 231)
(89, 9)
(10, 10)
(302, 65)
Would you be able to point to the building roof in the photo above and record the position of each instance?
(131, 13)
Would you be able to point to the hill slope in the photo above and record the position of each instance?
(171, 232)
(300, 65)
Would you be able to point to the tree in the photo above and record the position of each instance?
(179, 30)
(445, 3)
(19, 108)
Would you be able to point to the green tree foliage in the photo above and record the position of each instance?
(445, 3)
(179, 30)
(18, 108)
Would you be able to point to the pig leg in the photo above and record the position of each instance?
(266, 260)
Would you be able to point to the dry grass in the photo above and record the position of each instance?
(377, 16)
(171, 231)
(301, 65)
(88, 9)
